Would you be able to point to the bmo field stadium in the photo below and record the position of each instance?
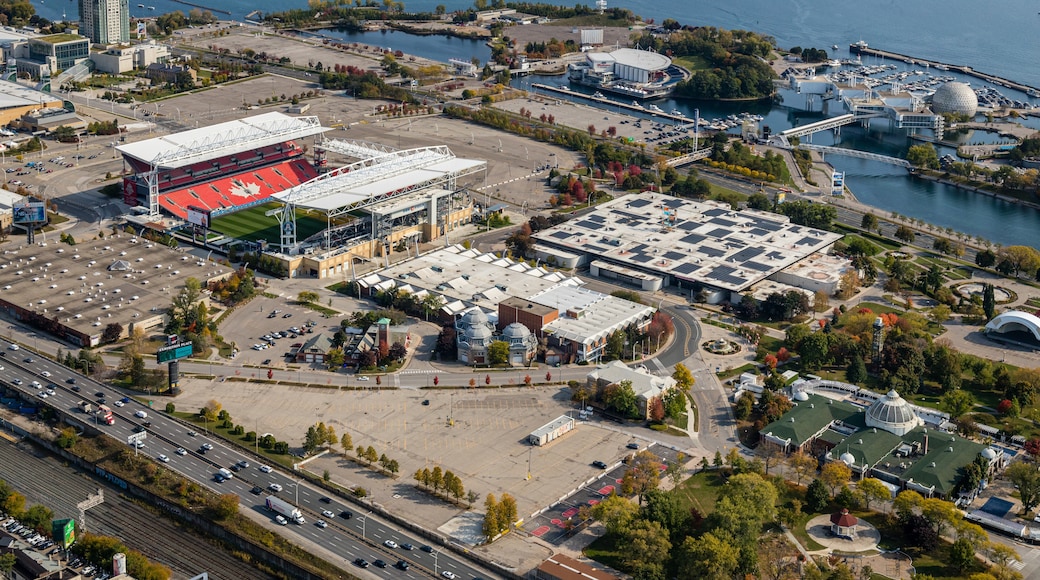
(250, 182)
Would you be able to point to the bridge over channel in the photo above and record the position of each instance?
(854, 153)
(689, 157)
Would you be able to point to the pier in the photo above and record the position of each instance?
(857, 48)
(613, 103)
(203, 7)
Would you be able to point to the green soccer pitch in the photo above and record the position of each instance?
(251, 224)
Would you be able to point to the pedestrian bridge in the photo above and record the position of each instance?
(689, 157)
(854, 153)
(817, 126)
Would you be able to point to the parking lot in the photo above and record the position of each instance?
(555, 523)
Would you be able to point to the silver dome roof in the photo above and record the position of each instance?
(955, 97)
(892, 413)
(515, 331)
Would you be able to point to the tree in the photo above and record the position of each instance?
(707, 557)
(647, 550)
(1020, 259)
(989, 302)
(872, 490)
(802, 464)
(66, 438)
(498, 352)
(7, 562)
(745, 406)
(1027, 479)
(616, 513)
(835, 474)
(957, 402)
(643, 474)
(856, 372)
(905, 234)
(307, 297)
(37, 517)
(869, 222)
(683, 377)
(225, 506)
(211, 410)
(622, 398)
(985, 258)
(491, 523)
(923, 156)
(747, 501)
(816, 496)
(112, 332)
(507, 511)
(815, 351)
(346, 443)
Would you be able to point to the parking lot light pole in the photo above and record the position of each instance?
(435, 563)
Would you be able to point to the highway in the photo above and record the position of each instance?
(361, 536)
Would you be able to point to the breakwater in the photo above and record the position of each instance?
(613, 103)
(203, 7)
(857, 48)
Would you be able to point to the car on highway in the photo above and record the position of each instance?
(363, 378)
(139, 444)
(28, 359)
(346, 514)
(13, 347)
(99, 394)
(140, 414)
(118, 403)
(379, 564)
(275, 487)
(192, 433)
(207, 446)
(321, 524)
(407, 546)
(427, 548)
(45, 374)
(202, 451)
(257, 490)
(181, 451)
(76, 388)
(448, 575)
(163, 458)
(390, 544)
(402, 565)
(326, 499)
(71, 380)
(264, 468)
(243, 464)
(361, 562)
(36, 385)
(328, 514)
(281, 521)
(16, 381)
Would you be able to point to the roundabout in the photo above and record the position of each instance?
(721, 346)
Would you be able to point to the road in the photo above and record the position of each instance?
(358, 537)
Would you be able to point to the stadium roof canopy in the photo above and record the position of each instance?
(215, 141)
(16, 95)
(378, 178)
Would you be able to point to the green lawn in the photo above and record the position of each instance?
(692, 63)
(251, 224)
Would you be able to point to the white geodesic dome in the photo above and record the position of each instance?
(955, 97)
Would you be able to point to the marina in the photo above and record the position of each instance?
(861, 47)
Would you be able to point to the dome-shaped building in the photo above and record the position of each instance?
(955, 97)
(522, 343)
(474, 334)
(893, 414)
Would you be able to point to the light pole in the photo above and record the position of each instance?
(435, 563)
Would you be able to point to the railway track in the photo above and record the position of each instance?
(45, 480)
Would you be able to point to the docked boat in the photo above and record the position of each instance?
(834, 47)
(834, 62)
(597, 95)
(654, 108)
(942, 67)
(140, 5)
(637, 104)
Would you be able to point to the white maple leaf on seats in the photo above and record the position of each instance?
(244, 189)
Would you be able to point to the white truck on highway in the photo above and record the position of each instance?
(86, 407)
(284, 508)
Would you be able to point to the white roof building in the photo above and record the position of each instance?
(645, 385)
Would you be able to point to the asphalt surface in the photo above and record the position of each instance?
(361, 536)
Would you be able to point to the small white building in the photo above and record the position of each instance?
(119, 60)
(552, 431)
(817, 272)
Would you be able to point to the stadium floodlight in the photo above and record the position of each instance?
(272, 212)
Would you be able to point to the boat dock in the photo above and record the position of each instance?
(861, 48)
(612, 103)
(220, 10)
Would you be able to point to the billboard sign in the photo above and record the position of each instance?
(64, 532)
(198, 216)
(27, 213)
(173, 352)
(838, 183)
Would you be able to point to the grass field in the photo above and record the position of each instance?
(251, 224)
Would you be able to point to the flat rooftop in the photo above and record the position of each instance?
(16, 95)
(695, 241)
(595, 315)
(122, 279)
(483, 280)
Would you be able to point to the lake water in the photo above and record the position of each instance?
(953, 31)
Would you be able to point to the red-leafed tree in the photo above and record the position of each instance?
(656, 409)
(1004, 406)
(770, 361)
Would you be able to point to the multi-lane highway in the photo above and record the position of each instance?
(360, 536)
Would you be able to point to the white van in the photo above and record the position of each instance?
(281, 521)
(226, 473)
